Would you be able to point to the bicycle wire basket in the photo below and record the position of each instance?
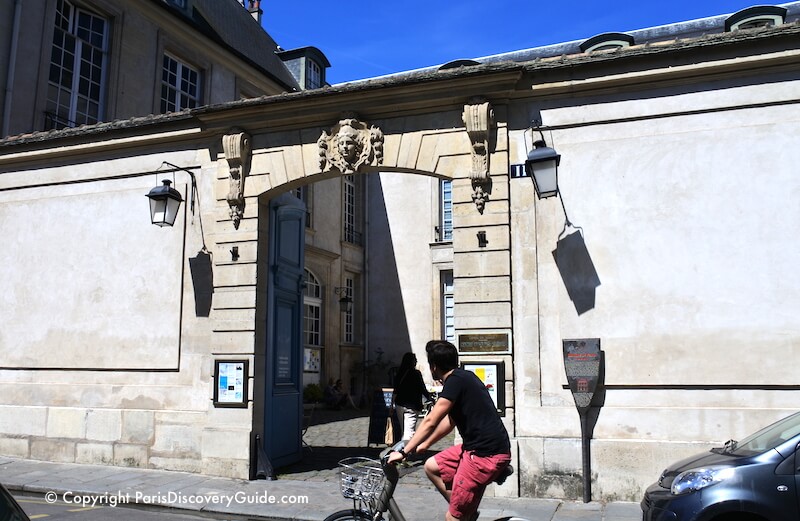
(362, 479)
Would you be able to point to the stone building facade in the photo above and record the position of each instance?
(675, 155)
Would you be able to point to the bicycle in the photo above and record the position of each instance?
(371, 485)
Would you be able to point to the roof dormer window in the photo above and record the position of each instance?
(607, 42)
(758, 16)
(307, 65)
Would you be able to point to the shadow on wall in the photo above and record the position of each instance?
(386, 314)
(577, 271)
(203, 283)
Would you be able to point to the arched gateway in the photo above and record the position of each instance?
(465, 146)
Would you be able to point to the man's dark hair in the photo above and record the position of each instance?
(442, 354)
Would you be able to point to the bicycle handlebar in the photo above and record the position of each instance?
(397, 447)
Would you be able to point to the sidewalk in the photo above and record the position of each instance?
(307, 491)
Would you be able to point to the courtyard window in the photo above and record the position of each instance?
(350, 216)
(312, 314)
(180, 85)
(78, 63)
(349, 314)
(445, 211)
(448, 307)
(303, 193)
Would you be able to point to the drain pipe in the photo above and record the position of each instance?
(12, 65)
(368, 187)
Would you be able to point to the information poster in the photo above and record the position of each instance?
(230, 383)
(312, 360)
(491, 374)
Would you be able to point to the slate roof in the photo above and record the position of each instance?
(230, 24)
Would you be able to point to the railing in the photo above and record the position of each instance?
(353, 237)
(54, 121)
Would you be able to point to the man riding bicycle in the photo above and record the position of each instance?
(462, 472)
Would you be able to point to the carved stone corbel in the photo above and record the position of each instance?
(237, 153)
(350, 146)
(478, 118)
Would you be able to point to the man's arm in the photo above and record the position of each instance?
(444, 428)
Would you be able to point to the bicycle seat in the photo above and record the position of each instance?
(504, 475)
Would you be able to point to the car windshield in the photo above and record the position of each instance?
(767, 438)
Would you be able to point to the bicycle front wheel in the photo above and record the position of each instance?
(348, 515)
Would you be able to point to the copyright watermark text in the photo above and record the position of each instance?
(173, 498)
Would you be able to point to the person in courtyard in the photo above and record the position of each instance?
(409, 390)
(461, 472)
(336, 397)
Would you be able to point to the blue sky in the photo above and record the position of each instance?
(363, 40)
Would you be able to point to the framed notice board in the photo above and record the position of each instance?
(492, 374)
(230, 383)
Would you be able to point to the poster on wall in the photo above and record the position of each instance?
(492, 376)
(230, 383)
(312, 360)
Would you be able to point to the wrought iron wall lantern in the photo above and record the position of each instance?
(345, 300)
(541, 166)
(165, 201)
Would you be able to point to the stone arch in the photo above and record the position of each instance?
(428, 144)
(433, 145)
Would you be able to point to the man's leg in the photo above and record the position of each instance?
(435, 475)
(472, 476)
(441, 469)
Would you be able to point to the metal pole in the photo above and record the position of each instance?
(586, 457)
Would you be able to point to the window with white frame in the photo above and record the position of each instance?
(349, 315)
(303, 193)
(445, 211)
(448, 307)
(312, 315)
(78, 64)
(350, 211)
(180, 85)
(313, 75)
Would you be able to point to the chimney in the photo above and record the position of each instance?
(255, 10)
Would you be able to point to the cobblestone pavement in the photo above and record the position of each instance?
(335, 435)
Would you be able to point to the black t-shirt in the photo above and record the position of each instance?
(474, 414)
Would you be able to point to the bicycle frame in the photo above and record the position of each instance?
(386, 500)
(374, 510)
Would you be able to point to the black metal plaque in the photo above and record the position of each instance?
(582, 364)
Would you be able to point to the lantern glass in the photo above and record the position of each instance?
(545, 178)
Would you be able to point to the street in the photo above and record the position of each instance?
(38, 507)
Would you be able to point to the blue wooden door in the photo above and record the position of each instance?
(284, 350)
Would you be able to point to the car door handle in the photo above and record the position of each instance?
(782, 488)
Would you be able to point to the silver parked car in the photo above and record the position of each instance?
(756, 479)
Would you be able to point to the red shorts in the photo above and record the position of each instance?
(466, 475)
